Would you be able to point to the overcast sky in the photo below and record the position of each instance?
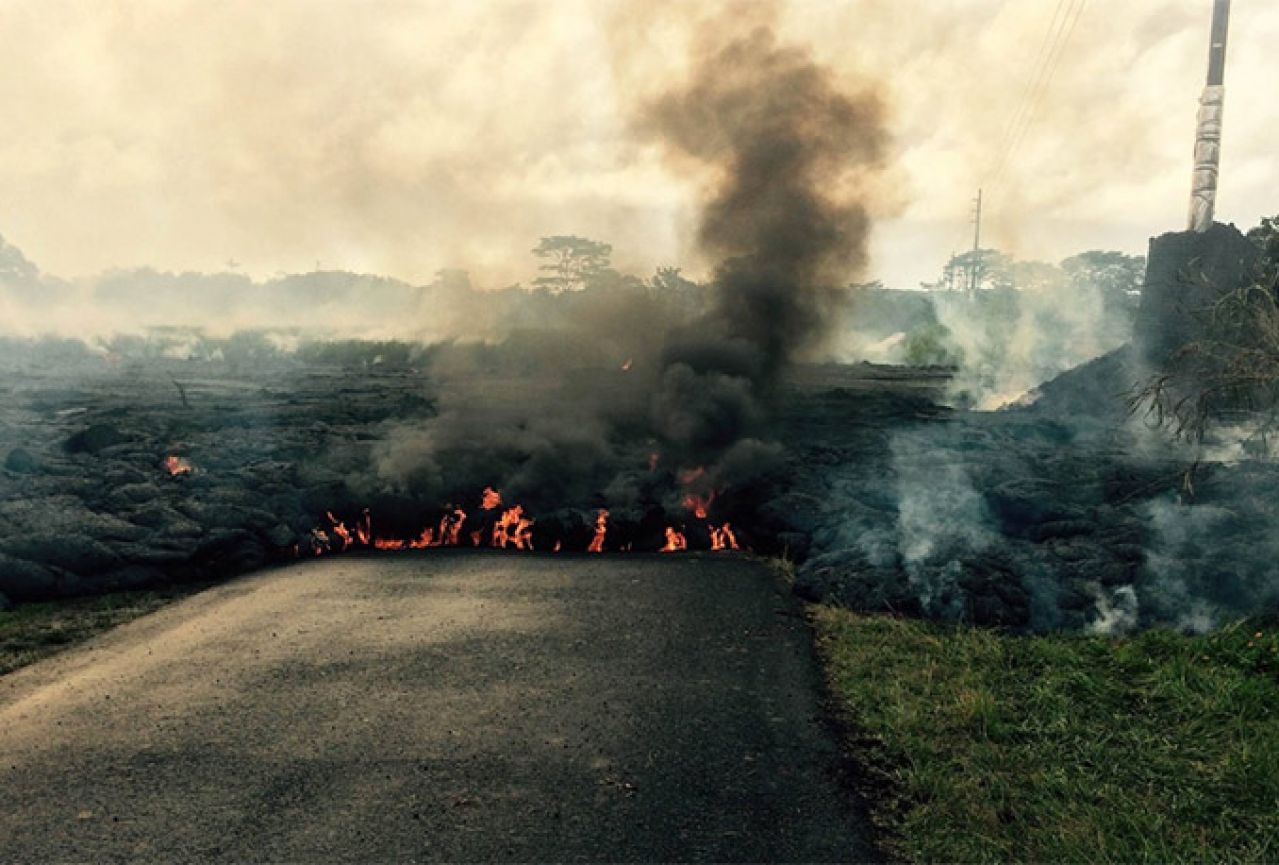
(402, 137)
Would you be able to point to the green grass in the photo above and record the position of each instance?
(33, 631)
(979, 747)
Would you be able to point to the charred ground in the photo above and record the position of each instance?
(885, 498)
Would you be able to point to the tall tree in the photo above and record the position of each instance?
(570, 262)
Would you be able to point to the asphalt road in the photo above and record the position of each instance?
(436, 707)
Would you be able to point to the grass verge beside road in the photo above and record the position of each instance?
(30, 632)
(979, 747)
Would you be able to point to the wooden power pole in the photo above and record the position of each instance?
(1203, 190)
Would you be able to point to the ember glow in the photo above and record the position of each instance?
(176, 465)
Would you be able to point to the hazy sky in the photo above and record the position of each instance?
(403, 136)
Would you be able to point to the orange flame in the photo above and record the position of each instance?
(675, 541)
(699, 505)
(176, 465)
(626, 367)
(450, 529)
(364, 528)
(601, 529)
(722, 538)
(492, 499)
(340, 529)
(513, 530)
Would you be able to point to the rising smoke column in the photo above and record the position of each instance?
(787, 152)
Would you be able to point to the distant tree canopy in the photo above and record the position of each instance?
(570, 262)
(1116, 275)
(14, 266)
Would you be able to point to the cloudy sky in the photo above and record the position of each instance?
(405, 136)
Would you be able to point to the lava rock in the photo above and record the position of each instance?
(130, 577)
(94, 439)
(22, 462)
(77, 553)
(26, 580)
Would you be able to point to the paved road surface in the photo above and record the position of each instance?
(436, 707)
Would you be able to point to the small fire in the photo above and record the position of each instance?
(675, 541)
(722, 538)
(176, 465)
(698, 503)
(340, 529)
(450, 529)
(626, 367)
(601, 529)
(653, 460)
(513, 530)
(320, 542)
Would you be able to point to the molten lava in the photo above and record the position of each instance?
(601, 529)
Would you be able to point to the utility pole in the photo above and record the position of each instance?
(1203, 189)
(974, 271)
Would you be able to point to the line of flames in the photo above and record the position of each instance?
(512, 530)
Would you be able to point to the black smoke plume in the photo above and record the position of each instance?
(786, 152)
(784, 146)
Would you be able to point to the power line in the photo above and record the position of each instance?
(1043, 85)
(1023, 101)
(1035, 72)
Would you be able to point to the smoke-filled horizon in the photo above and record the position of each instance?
(411, 138)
